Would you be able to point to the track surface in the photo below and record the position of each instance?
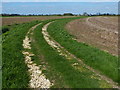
(37, 78)
(63, 52)
(101, 32)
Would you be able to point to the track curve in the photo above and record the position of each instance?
(63, 52)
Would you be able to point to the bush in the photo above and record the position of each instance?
(68, 14)
(5, 29)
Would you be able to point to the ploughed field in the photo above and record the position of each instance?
(43, 54)
(101, 32)
(16, 20)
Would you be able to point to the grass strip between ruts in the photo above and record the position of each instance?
(57, 68)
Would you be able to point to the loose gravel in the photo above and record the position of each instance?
(37, 78)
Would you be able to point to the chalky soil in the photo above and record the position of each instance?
(37, 78)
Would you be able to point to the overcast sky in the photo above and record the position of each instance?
(60, 0)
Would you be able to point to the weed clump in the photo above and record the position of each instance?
(5, 29)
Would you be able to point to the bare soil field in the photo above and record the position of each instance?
(16, 20)
(101, 32)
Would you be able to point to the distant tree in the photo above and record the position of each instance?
(90, 14)
(68, 14)
(85, 14)
(10, 14)
(98, 14)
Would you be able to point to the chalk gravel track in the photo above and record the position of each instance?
(63, 52)
(37, 78)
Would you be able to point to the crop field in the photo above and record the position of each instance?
(60, 52)
(101, 32)
(17, 20)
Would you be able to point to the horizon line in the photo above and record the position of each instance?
(63, 1)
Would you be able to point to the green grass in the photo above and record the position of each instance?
(15, 72)
(0, 62)
(55, 67)
(58, 69)
(96, 58)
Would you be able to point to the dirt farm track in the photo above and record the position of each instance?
(101, 32)
(64, 52)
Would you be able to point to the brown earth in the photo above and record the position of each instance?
(16, 20)
(100, 32)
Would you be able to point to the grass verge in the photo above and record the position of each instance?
(96, 58)
(14, 69)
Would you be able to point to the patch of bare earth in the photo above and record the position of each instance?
(101, 32)
(17, 20)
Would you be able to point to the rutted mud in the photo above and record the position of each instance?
(101, 32)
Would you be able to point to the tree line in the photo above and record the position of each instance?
(65, 14)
